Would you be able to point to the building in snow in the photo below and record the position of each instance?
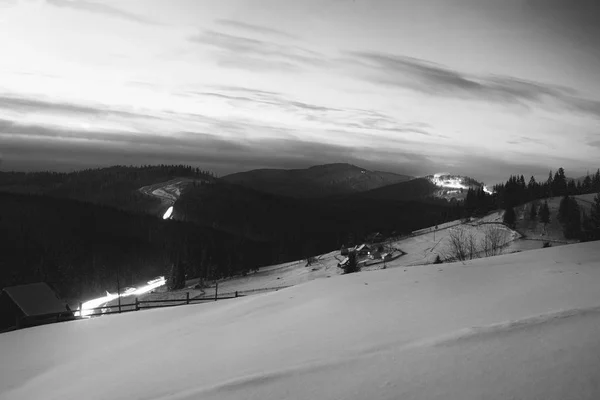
(363, 250)
(31, 304)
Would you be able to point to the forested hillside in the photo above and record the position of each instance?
(80, 247)
(114, 186)
(297, 228)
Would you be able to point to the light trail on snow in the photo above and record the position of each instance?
(168, 213)
(87, 308)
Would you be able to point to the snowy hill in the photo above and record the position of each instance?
(521, 325)
(317, 181)
(454, 186)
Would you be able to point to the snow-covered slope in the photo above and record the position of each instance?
(454, 186)
(523, 325)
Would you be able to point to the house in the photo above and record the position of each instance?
(31, 304)
(344, 262)
(363, 250)
(375, 254)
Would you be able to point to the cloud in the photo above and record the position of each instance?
(24, 104)
(436, 79)
(99, 8)
(254, 28)
(332, 117)
(247, 53)
(35, 147)
(526, 139)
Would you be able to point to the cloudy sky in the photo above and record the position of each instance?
(481, 87)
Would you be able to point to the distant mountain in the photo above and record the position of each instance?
(413, 190)
(315, 182)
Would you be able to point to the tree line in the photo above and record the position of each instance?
(81, 247)
(576, 223)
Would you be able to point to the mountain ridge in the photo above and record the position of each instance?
(315, 181)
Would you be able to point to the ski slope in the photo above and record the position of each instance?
(523, 325)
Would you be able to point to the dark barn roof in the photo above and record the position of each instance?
(35, 299)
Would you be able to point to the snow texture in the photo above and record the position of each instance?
(522, 326)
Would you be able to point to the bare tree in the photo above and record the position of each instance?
(493, 240)
(462, 245)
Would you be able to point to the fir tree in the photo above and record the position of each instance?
(559, 184)
(596, 182)
(545, 213)
(586, 186)
(510, 217)
(533, 212)
(572, 224)
(352, 264)
(595, 219)
(563, 209)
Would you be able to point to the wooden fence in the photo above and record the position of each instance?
(35, 320)
(138, 305)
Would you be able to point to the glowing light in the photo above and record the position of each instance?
(168, 213)
(87, 308)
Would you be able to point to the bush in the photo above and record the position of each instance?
(438, 260)
(547, 244)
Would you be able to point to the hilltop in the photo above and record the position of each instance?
(316, 181)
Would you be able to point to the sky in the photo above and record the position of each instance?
(485, 88)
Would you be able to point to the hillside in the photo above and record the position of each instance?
(553, 232)
(415, 189)
(81, 247)
(298, 228)
(315, 182)
(454, 186)
(514, 326)
(117, 186)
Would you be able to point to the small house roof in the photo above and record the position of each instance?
(35, 299)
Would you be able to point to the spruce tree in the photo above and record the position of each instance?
(352, 264)
(533, 212)
(595, 219)
(545, 213)
(596, 182)
(510, 217)
(559, 184)
(563, 209)
(572, 223)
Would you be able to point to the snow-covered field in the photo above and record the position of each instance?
(522, 326)
(424, 248)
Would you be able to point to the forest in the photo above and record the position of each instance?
(81, 247)
(81, 230)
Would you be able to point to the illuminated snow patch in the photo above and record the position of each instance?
(168, 213)
(87, 308)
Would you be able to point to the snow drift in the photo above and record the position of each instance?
(523, 325)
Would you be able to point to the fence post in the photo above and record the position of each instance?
(216, 290)
(187, 297)
(137, 304)
(80, 309)
(236, 295)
